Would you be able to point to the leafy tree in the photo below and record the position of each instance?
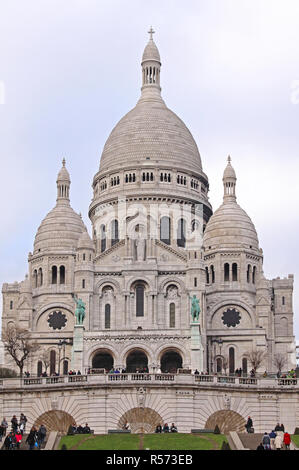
(19, 345)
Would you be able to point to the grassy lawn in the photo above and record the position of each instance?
(183, 441)
(146, 441)
(295, 439)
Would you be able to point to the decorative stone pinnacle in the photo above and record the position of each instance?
(63, 162)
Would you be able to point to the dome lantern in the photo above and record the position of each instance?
(151, 65)
(63, 185)
(229, 182)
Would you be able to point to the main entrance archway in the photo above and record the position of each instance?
(226, 420)
(102, 360)
(55, 420)
(136, 360)
(141, 420)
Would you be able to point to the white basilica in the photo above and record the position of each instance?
(155, 244)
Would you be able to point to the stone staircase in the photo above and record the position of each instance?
(251, 441)
(24, 445)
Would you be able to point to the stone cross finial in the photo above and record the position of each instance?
(151, 32)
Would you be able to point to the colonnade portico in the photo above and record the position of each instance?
(168, 358)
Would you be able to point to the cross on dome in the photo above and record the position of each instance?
(151, 32)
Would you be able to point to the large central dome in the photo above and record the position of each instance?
(151, 132)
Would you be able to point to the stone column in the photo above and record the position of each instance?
(196, 347)
(77, 350)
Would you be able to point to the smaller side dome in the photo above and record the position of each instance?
(230, 226)
(62, 226)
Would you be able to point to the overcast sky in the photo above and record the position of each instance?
(69, 70)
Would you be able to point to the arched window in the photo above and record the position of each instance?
(11, 305)
(65, 367)
(235, 271)
(35, 278)
(172, 315)
(103, 238)
(226, 272)
(39, 368)
(207, 276)
(253, 274)
(114, 232)
(107, 316)
(83, 283)
(248, 272)
(40, 277)
(181, 233)
(139, 300)
(62, 274)
(212, 274)
(219, 365)
(165, 233)
(244, 365)
(52, 361)
(283, 300)
(231, 360)
(54, 274)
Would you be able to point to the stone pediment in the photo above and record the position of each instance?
(24, 303)
(112, 255)
(166, 253)
(262, 301)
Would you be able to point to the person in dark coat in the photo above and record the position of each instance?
(266, 442)
(165, 428)
(14, 424)
(41, 435)
(8, 442)
(260, 447)
(249, 424)
(158, 428)
(31, 438)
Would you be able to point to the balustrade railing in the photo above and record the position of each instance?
(198, 379)
(204, 378)
(247, 381)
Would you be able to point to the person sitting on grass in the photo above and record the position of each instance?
(158, 428)
(173, 428)
(80, 429)
(165, 428)
(86, 429)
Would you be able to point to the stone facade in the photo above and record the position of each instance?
(154, 245)
(106, 402)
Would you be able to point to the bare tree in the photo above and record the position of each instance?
(280, 361)
(19, 345)
(46, 359)
(255, 357)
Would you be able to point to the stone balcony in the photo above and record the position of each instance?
(102, 379)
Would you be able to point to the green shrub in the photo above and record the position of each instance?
(217, 430)
(225, 446)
